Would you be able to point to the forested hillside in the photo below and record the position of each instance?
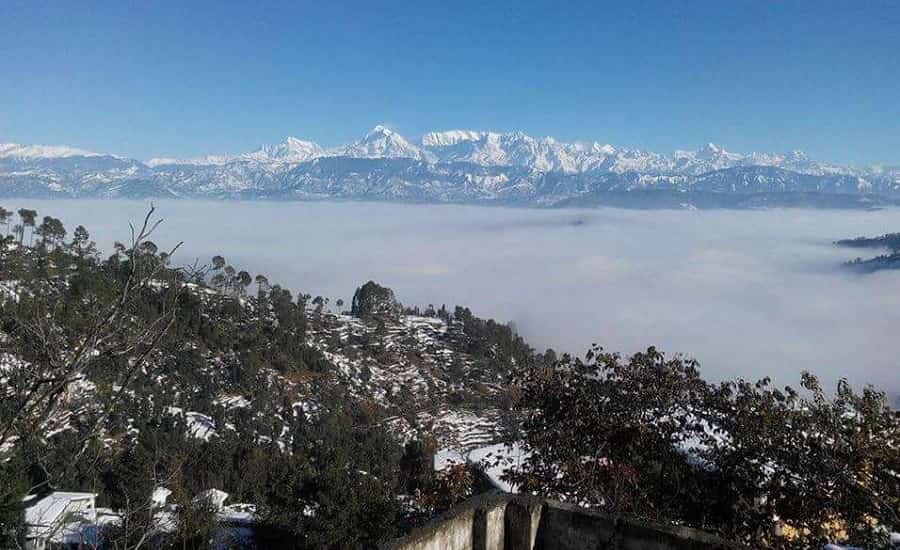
(124, 373)
(889, 242)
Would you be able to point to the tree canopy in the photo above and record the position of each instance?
(646, 436)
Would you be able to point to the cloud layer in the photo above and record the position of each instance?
(748, 293)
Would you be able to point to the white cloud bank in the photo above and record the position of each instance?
(747, 293)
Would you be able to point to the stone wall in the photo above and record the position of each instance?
(502, 521)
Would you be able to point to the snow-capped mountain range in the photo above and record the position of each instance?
(451, 166)
(516, 149)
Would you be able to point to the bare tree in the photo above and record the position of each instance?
(51, 359)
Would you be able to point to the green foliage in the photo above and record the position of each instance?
(891, 260)
(417, 465)
(647, 437)
(13, 487)
(335, 489)
(51, 231)
(492, 342)
(373, 299)
(891, 241)
(123, 440)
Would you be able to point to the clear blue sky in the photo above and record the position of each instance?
(155, 78)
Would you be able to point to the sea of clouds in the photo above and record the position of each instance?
(748, 293)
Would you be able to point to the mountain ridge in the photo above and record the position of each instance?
(457, 166)
(382, 142)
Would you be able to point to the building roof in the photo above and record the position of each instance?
(49, 509)
(160, 496)
(46, 517)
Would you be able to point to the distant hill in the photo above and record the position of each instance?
(889, 242)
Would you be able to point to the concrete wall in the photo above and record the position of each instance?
(567, 526)
(476, 524)
(516, 522)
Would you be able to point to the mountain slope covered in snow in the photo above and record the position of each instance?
(457, 166)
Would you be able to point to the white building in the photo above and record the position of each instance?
(72, 519)
(214, 498)
(59, 518)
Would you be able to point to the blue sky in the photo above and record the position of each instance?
(147, 79)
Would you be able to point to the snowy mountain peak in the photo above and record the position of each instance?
(452, 137)
(382, 142)
(208, 160)
(14, 150)
(797, 156)
(291, 151)
(716, 158)
(713, 151)
(605, 149)
(380, 130)
(291, 141)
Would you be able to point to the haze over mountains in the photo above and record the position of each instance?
(456, 166)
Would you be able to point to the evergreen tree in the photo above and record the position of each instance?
(27, 218)
(5, 215)
(51, 231)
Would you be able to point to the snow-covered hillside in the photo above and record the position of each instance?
(417, 368)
